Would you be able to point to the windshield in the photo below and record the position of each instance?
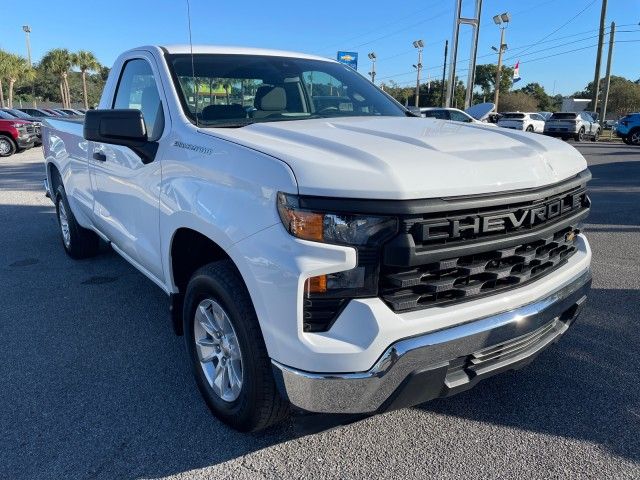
(5, 116)
(564, 116)
(237, 90)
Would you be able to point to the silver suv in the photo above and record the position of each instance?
(576, 125)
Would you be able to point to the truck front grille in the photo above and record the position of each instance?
(469, 277)
(456, 254)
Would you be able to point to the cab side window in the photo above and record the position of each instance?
(137, 89)
(439, 114)
(459, 117)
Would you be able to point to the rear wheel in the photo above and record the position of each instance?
(78, 242)
(530, 128)
(580, 135)
(596, 135)
(227, 352)
(634, 137)
(7, 146)
(627, 140)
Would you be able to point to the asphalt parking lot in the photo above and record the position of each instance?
(96, 385)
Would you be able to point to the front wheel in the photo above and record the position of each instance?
(78, 242)
(530, 128)
(227, 352)
(634, 137)
(7, 146)
(596, 136)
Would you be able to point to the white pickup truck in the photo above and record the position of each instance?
(321, 247)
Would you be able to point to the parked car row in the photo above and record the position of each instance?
(20, 128)
(16, 135)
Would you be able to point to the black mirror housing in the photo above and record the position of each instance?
(124, 127)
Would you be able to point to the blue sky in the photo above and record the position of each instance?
(388, 28)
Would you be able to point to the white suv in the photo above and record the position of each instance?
(576, 125)
(528, 122)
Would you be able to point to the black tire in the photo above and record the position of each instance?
(634, 137)
(530, 128)
(596, 136)
(258, 404)
(627, 140)
(82, 243)
(7, 146)
(579, 137)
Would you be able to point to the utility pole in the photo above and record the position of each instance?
(419, 44)
(607, 82)
(443, 101)
(27, 31)
(502, 21)
(372, 73)
(596, 75)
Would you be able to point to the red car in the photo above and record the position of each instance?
(15, 136)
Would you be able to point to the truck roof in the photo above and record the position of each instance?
(236, 50)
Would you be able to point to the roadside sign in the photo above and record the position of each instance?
(348, 58)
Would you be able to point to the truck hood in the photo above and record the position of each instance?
(400, 158)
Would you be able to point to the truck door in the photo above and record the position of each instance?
(126, 190)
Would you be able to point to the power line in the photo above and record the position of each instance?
(368, 32)
(567, 22)
(403, 29)
(525, 47)
(558, 54)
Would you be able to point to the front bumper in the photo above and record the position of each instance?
(441, 363)
(26, 141)
(561, 133)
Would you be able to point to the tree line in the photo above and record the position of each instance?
(624, 94)
(61, 76)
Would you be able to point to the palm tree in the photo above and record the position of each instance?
(85, 61)
(17, 69)
(4, 64)
(58, 61)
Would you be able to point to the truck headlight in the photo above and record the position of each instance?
(336, 228)
(326, 295)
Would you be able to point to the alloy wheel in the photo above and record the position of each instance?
(64, 224)
(218, 350)
(5, 147)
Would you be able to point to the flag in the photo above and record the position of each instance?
(516, 72)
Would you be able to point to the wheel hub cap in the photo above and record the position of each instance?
(4, 147)
(218, 350)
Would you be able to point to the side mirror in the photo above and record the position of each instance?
(415, 110)
(124, 127)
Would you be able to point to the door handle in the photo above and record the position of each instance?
(101, 157)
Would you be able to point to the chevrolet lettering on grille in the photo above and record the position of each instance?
(474, 225)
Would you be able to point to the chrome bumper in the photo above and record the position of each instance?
(442, 363)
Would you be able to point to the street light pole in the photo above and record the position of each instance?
(501, 20)
(372, 73)
(419, 44)
(27, 31)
